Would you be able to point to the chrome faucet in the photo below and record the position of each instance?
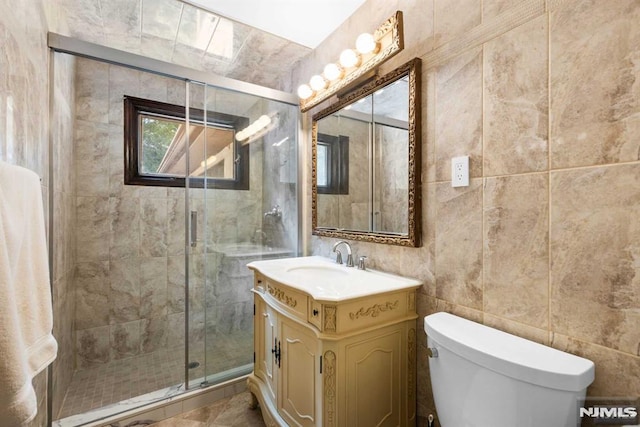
(339, 254)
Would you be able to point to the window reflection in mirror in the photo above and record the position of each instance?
(156, 147)
(323, 166)
(333, 164)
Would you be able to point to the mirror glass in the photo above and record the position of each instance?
(366, 160)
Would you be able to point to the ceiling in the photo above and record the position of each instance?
(255, 41)
(306, 22)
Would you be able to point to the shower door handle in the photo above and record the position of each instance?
(193, 231)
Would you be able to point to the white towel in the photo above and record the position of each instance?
(27, 345)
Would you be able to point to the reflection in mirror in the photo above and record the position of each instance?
(155, 154)
(375, 132)
(333, 164)
(390, 158)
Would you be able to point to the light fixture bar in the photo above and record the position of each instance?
(371, 51)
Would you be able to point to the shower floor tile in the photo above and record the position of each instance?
(120, 380)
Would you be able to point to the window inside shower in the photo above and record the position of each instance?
(152, 294)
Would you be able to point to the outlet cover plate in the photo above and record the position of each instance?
(460, 171)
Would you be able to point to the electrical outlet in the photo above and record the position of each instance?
(460, 171)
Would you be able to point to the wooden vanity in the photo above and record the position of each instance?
(324, 356)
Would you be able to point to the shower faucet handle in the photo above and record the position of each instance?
(275, 212)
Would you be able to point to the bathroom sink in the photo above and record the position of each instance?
(323, 279)
(327, 271)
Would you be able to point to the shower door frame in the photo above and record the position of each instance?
(80, 48)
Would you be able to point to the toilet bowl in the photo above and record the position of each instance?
(482, 377)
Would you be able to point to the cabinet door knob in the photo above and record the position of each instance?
(315, 312)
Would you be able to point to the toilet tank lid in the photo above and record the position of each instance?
(508, 354)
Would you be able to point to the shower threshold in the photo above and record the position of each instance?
(164, 403)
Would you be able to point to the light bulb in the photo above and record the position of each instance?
(317, 82)
(304, 91)
(349, 58)
(332, 72)
(365, 43)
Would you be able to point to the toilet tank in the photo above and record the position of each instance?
(483, 377)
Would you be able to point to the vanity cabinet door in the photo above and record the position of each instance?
(300, 373)
(266, 367)
(373, 378)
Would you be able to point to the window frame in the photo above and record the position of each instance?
(134, 107)
(338, 164)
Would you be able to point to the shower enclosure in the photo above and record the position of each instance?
(165, 187)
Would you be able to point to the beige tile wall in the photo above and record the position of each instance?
(130, 272)
(544, 243)
(127, 283)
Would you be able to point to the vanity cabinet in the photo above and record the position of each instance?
(319, 362)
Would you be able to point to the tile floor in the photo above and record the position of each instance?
(233, 411)
(119, 380)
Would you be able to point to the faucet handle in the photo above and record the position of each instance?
(361, 261)
(349, 260)
(339, 256)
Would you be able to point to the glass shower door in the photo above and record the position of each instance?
(196, 214)
(242, 200)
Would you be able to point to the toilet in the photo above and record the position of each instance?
(482, 377)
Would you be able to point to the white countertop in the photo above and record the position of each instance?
(325, 280)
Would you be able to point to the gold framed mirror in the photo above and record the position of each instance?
(366, 162)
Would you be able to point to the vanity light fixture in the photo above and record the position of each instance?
(349, 58)
(317, 82)
(305, 91)
(370, 51)
(365, 43)
(332, 72)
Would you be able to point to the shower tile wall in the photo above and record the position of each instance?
(130, 239)
(544, 241)
(280, 178)
(122, 232)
